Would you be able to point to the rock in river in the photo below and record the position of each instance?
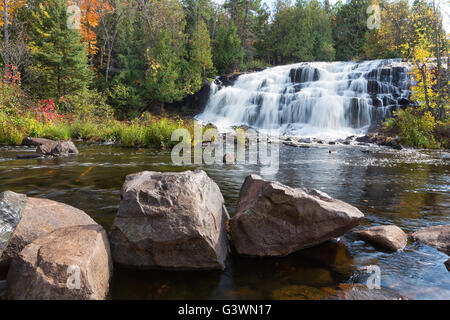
(170, 220)
(40, 217)
(11, 208)
(437, 236)
(389, 237)
(272, 219)
(57, 149)
(3, 290)
(72, 263)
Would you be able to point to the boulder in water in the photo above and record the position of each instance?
(436, 236)
(11, 208)
(40, 217)
(72, 263)
(229, 158)
(57, 149)
(388, 237)
(170, 220)
(447, 264)
(272, 219)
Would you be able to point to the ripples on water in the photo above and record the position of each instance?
(408, 188)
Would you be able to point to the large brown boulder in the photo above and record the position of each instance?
(72, 263)
(437, 236)
(388, 237)
(11, 208)
(40, 217)
(272, 219)
(170, 220)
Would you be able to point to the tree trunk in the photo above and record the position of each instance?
(5, 25)
(425, 86)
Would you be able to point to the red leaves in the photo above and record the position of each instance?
(46, 112)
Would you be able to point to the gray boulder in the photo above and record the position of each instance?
(389, 237)
(170, 220)
(437, 236)
(72, 263)
(11, 208)
(40, 217)
(57, 149)
(272, 219)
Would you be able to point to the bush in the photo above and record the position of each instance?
(85, 105)
(416, 129)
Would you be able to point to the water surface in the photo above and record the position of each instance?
(407, 188)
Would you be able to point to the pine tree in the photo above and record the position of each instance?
(59, 57)
(227, 48)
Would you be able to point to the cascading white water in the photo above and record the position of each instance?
(316, 99)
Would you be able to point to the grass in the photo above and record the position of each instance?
(147, 131)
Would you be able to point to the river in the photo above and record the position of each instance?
(409, 188)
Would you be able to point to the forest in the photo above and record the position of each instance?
(78, 69)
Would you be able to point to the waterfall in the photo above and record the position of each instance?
(314, 99)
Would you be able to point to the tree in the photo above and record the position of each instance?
(7, 8)
(200, 55)
(350, 28)
(59, 57)
(228, 53)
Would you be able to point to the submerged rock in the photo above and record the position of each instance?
(72, 263)
(389, 237)
(170, 220)
(437, 236)
(11, 208)
(272, 219)
(40, 217)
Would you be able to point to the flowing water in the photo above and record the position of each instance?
(408, 188)
(313, 99)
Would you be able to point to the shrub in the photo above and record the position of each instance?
(415, 129)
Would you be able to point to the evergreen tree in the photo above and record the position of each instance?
(350, 29)
(227, 48)
(59, 57)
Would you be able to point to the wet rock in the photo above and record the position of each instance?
(72, 263)
(28, 156)
(170, 220)
(272, 219)
(229, 158)
(363, 139)
(447, 264)
(305, 140)
(40, 217)
(11, 208)
(437, 237)
(36, 142)
(3, 290)
(388, 237)
(57, 149)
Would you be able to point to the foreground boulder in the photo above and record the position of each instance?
(11, 208)
(390, 237)
(272, 219)
(57, 149)
(40, 217)
(437, 236)
(69, 263)
(170, 220)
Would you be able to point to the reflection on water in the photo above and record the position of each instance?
(408, 188)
